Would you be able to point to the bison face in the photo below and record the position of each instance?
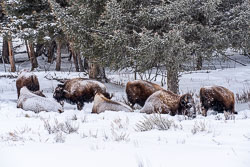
(59, 93)
(187, 105)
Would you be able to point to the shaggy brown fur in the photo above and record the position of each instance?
(102, 104)
(79, 90)
(28, 80)
(166, 102)
(217, 98)
(138, 91)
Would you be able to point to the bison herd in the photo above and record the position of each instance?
(151, 97)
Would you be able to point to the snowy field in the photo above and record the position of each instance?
(112, 139)
(117, 139)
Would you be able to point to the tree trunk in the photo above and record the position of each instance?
(39, 50)
(86, 64)
(58, 58)
(199, 63)
(5, 51)
(27, 48)
(75, 60)
(173, 79)
(93, 70)
(96, 72)
(31, 53)
(11, 56)
(69, 51)
(73, 54)
(80, 62)
(51, 50)
(102, 74)
(70, 56)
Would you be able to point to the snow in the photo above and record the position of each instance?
(112, 138)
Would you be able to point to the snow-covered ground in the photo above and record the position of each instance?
(79, 138)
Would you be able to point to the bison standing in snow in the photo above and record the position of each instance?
(218, 99)
(101, 104)
(31, 102)
(30, 81)
(138, 91)
(78, 91)
(166, 102)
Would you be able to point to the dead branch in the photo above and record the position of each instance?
(8, 76)
(234, 60)
(61, 80)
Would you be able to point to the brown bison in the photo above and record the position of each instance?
(31, 102)
(166, 102)
(101, 104)
(30, 81)
(216, 98)
(78, 91)
(138, 91)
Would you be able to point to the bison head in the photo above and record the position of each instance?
(187, 105)
(59, 93)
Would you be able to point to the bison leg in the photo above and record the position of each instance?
(204, 111)
(79, 105)
(18, 93)
(132, 105)
(233, 110)
(62, 103)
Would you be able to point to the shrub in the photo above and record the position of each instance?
(155, 121)
(244, 97)
(67, 127)
(200, 126)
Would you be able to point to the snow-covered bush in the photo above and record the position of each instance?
(119, 130)
(200, 126)
(66, 127)
(243, 97)
(155, 121)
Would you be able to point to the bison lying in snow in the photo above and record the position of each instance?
(102, 104)
(79, 90)
(166, 102)
(30, 81)
(138, 91)
(31, 102)
(217, 98)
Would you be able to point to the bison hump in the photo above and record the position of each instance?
(81, 85)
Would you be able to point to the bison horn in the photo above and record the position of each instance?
(65, 91)
(60, 85)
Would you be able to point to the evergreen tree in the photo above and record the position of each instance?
(79, 22)
(233, 22)
(33, 22)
